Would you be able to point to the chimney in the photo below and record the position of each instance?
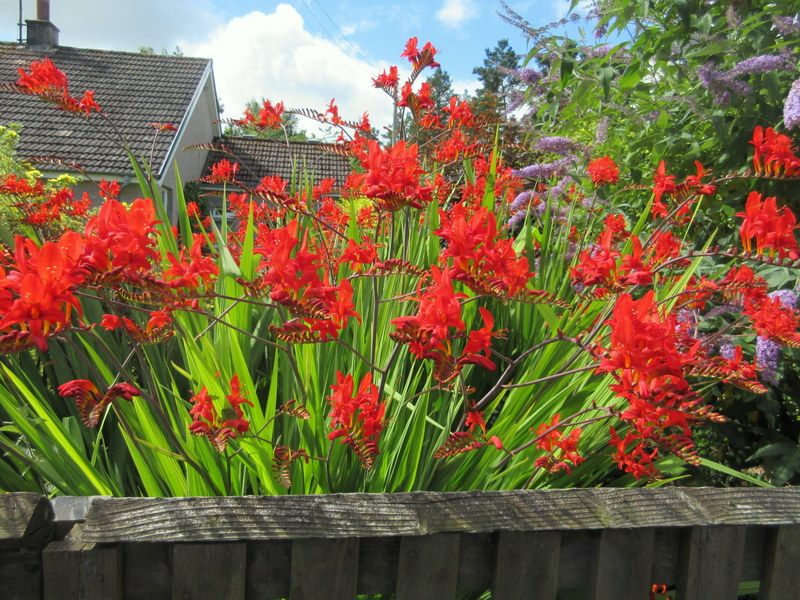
(42, 34)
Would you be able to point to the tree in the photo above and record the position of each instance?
(496, 78)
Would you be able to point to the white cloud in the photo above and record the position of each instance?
(455, 12)
(275, 57)
(469, 86)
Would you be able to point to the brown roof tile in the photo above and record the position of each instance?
(259, 158)
(134, 89)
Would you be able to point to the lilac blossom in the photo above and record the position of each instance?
(791, 107)
(599, 51)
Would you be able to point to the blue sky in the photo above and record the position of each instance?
(301, 52)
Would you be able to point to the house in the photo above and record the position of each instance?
(135, 90)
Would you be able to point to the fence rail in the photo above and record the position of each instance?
(597, 544)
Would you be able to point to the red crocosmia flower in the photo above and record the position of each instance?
(561, 452)
(774, 153)
(41, 299)
(189, 271)
(127, 234)
(475, 419)
(461, 114)
(270, 117)
(665, 184)
(223, 172)
(50, 84)
(411, 52)
(333, 111)
(772, 228)
(109, 189)
(387, 81)
(359, 255)
(481, 258)
(772, 320)
(603, 171)
(92, 404)
(220, 425)
(163, 127)
(357, 419)
(392, 178)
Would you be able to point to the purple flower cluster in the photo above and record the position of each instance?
(546, 170)
(787, 26)
(721, 84)
(791, 107)
(601, 134)
(763, 63)
(558, 145)
(725, 84)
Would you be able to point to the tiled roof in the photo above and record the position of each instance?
(259, 158)
(134, 89)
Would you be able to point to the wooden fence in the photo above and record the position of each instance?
(597, 544)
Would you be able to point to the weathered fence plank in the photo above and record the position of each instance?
(623, 565)
(526, 565)
(428, 567)
(599, 544)
(781, 570)
(324, 569)
(25, 519)
(711, 563)
(209, 571)
(421, 513)
(74, 569)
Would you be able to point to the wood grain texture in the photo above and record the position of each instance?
(526, 565)
(25, 519)
(209, 571)
(711, 563)
(421, 513)
(324, 569)
(428, 567)
(781, 571)
(75, 570)
(623, 565)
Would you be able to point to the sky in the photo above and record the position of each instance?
(301, 52)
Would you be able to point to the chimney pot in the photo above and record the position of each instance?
(42, 10)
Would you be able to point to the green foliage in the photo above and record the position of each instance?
(671, 78)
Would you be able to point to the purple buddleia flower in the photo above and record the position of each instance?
(557, 145)
(521, 201)
(787, 26)
(767, 358)
(763, 63)
(601, 135)
(791, 107)
(546, 170)
(558, 189)
(599, 51)
(727, 351)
